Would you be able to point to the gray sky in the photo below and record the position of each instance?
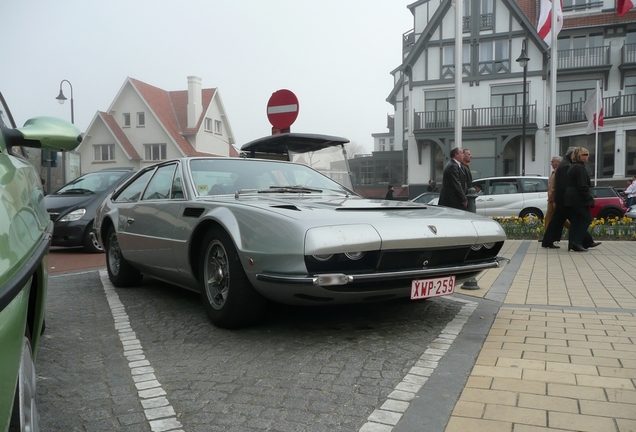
(335, 55)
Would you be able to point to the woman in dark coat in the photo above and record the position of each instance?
(578, 199)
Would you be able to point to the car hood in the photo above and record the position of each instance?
(60, 203)
(393, 221)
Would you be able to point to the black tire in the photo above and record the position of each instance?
(120, 272)
(229, 298)
(25, 416)
(90, 243)
(610, 213)
(531, 211)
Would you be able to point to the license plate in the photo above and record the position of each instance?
(435, 287)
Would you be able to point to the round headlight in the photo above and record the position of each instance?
(489, 245)
(476, 247)
(354, 256)
(325, 257)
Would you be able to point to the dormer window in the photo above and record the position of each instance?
(141, 119)
(125, 120)
(218, 127)
(207, 124)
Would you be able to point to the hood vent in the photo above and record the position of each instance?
(193, 212)
(286, 206)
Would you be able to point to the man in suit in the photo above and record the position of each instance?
(453, 193)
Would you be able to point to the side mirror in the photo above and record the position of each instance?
(48, 133)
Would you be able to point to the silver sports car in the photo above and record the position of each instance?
(240, 230)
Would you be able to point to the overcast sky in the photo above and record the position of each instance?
(335, 55)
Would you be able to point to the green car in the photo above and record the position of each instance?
(25, 237)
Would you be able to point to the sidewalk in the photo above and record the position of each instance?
(561, 353)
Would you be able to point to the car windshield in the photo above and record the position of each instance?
(229, 176)
(329, 161)
(92, 183)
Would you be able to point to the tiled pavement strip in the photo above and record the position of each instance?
(561, 353)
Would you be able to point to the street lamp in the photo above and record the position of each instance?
(523, 62)
(61, 99)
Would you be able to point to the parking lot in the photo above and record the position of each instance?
(324, 369)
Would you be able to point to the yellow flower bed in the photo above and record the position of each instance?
(530, 227)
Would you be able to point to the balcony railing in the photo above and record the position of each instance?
(614, 106)
(476, 117)
(584, 57)
(408, 39)
(628, 53)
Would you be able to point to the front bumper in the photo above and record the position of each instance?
(69, 234)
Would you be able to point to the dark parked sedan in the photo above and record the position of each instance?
(72, 208)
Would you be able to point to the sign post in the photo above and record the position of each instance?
(282, 111)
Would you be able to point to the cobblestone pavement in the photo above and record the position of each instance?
(302, 369)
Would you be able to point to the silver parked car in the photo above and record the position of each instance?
(512, 196)
(239, 230)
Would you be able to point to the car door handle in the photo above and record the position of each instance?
(130, 221)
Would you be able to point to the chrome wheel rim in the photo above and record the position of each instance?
(114, 255)
(29, 417)
(216, 274)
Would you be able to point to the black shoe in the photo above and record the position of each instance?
(592, 245)
(576, 247)
(540, 240)
(550, 246)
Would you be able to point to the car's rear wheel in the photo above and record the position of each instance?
(531, 211)
(90, 243)
(610, 213)
(229, 298)
(25, 415)
(120, 272)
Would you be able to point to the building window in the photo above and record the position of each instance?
(155, 152)
(571, 97)
(406, 113)
(126, 120)
(141, 119)
(448, 61)
(382, 142)
(582, 51)
(486, 15)
(494, 57)
(507, 104)
(104, 152)
(605, 166)
(439, 109)
(207, 124)
(581, 5)
(629, 99)
(630, 153)
(218, 127)
(391, 146)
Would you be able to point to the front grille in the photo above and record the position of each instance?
(404, 260)
(54, 216)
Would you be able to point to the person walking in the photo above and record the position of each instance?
(466, 166)
(554, 229)
(554, 162)
(389, 193)
(578, 199)
(630, 192)
(453, 193)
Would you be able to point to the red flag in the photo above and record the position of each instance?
(624, 6)
(593, 109)
(545, 20)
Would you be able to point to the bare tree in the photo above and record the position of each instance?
(354, 149)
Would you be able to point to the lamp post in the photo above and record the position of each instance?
(61, 99)
(523, 62)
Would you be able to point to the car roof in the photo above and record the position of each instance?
(281, 144)
(531, 176)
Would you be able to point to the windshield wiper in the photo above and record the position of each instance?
(289, 189)
(76, 191)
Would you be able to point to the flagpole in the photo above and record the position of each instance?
(459, 69)
(596, 121)
(553, 80)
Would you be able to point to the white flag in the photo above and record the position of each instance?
(593, 109)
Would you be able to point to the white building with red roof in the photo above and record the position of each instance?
(146, 124)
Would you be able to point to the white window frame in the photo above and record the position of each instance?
(141, 119)
(125, 120)
(155, 152)
(98, 150)
(207, 124)
(218, 127)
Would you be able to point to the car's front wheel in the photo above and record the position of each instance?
(229, 298)
(610, 213)
(90, 243)
(531, 211)
(120, 272)
(25, 415)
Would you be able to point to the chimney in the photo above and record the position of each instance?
(194, 101)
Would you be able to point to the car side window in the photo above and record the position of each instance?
(133, 191)
(502, 187)
(531, 184)
(160, 184)
(177, 187)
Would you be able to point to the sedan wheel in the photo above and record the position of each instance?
(229, 299)
(25, 415)
(90, 243)
(120, 272)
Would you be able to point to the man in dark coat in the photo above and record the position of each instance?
(466, 166)
(453, 193)
(555, 228)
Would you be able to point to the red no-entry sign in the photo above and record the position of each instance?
(282, 109)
